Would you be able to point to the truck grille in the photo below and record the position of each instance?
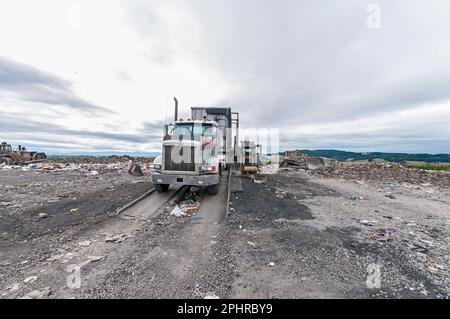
(170, 165)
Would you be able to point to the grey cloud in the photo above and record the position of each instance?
(313, 60)
(33, 85)
(12, 125)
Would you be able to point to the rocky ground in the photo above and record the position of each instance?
(42, 211)
(339, 232)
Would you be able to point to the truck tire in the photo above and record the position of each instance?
(162, 188)
(5, 160)
(39, 157)
(213, 189)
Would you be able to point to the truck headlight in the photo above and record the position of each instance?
(155, 166)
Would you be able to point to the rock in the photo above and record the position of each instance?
(96, 258)
(391, 196)
(42, 215)
(368, 222)
(30, 279)
(85, 243)
(272, 264)
(5, 263)
(118, 238)
(282, 195)
(211, 295)
(39, 294)
(382, 234)
(13, 287)
(92, 259)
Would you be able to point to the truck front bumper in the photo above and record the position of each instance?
(178, 179)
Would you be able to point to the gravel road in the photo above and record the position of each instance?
(293, 234)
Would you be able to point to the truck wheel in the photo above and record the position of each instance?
(5, 160)
(39, 157)
(162, 188)
(213, 189)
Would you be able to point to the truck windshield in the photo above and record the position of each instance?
(194, 130)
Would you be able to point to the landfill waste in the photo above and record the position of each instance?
(30, 279)
(85, 243)
(418, 247)
(188, 205)
(96, 258)
(89, 166)
(176, 211)
(251, 244)
(38, 294)
(43, 215)
(368, 222)
(211, 295)
(383, 172)
(382, 234)
(117, 238)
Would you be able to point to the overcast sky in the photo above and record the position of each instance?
(100, 75)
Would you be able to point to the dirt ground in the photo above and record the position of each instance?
(292, 234)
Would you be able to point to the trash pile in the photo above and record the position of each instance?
(189, 205)
(135, 168)
(383, 172)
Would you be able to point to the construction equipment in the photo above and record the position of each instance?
(195, 151)
(21, 156)
(250, 153)
(295, 158)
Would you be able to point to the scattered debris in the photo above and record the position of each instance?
(38, 294)
(117, 238)
(43, 215)
(368, 222)
(251, 244)
(85, 243)
(382, 234)
(420, 248)
(95, 258)
(176, 211)
(30, 279)
(211, 295)
(13, 287)
(384, 172)
(189, 205)
(282, 195)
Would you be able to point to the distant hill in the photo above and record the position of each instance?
(390, 157)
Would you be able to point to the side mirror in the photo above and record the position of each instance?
(168, 131)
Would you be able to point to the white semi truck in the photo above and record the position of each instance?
(195, 151)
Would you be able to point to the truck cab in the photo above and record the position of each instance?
(189, 156)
